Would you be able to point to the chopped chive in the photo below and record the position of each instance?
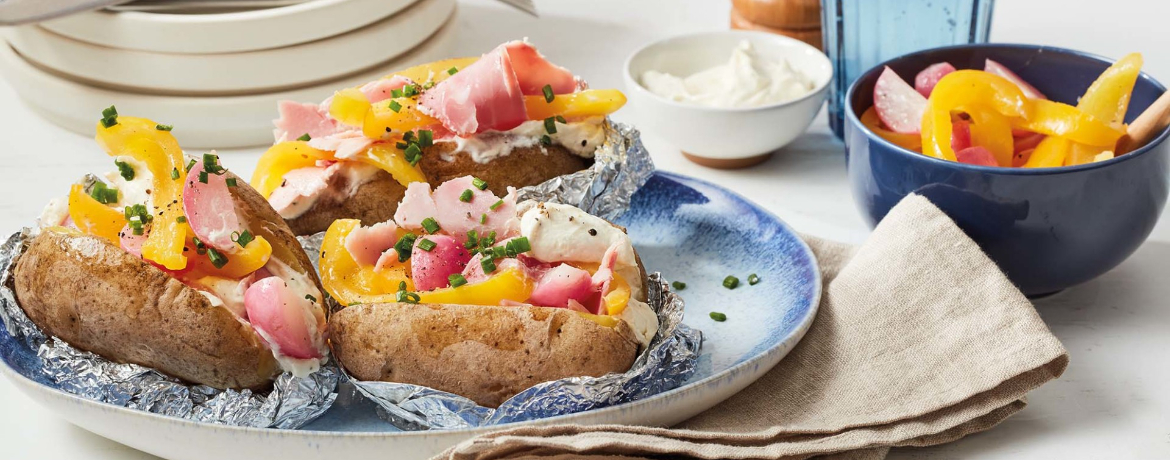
(125, 170)
(753, 279)
(190, 165)
(174, 173)
(679, 285)
(203, 177)
(395, 106)
(413, 154)
(310, 298)
(110, 111)
(429, 84)
(465, 196)
(453, 70)
(401, 145)
(409, 90)
(217, 259)
(545, 140)
(231, 181)
(109, 117)
(521, 244)
(181, 219)
(496, 205)
(731, 282)
(406, 297)
(404, 246)
(430, 225)
(305, 137)
(548, 94)
(720, 317)
(426, 138)
(161, 127)
(396, 93)
(488, 240)
(483, 218)
(353, 303)
(550, 125)
(242, 238)
(479, 183)
(488, 265)
(402, 285)
(456, 280)
(408, 136)
(105, 194)
(426, 245)
(211, 164)
(561, 120)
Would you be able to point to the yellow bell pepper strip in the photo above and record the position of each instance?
(381, 121)
(508, 284)
(601, 320)
(347, 281)
(390, 159)
(282, 158)
(588, 103)
(434, 72)
(239, 264)
(94, 218)
(992, 131)
(618, 297)
(140, 139)
(907, 141)
(1107, 100)
(1066, 121)
(1050, 153)
(966, 88)
(349, 106)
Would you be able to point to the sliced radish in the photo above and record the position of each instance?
(283, 316)
(1027, 142)
(366, 244)
(211, 213)
(430, 269)
(976, 156)
(897, 103)
(130, 242)
(926, 79)
(960, 135)
(1001, 70)
(1021, 158)
(562, 284)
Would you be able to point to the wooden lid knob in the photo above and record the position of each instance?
(784, 14)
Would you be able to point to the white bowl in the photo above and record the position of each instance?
(725, 137)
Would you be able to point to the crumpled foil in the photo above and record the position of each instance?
(621, 166)
(292, 402)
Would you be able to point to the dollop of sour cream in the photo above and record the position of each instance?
(746, 80)
(579, 137)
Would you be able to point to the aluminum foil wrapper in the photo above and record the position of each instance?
(292, 402)
(621, 165)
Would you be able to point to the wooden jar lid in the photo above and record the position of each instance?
(781, 14)
(810, 36)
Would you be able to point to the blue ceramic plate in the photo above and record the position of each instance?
(690, 230)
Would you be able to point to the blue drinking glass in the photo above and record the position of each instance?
(860, 34)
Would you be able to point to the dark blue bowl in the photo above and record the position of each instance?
(1047, 228)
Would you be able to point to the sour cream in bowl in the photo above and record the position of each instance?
(727, 99)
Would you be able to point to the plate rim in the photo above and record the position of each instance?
(680, 392)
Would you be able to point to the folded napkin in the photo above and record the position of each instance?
(919, 340)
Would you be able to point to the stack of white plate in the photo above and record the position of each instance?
(217, 77)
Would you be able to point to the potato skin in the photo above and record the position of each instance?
(99, 298)
(375, 201)
(485, 353)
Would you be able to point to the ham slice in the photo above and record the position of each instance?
(415, 206)
(455, 216)
(344, 144)
(489, 94)
(300, 185)
(130, 242)
(297, 119)
(366, 244)
(379, 90)
(210, 209)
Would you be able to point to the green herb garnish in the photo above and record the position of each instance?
(164, 127)
(456, 280)
(305, 137)
(175, 173)
(731, 282)
(453, 70)
(426, 245)
(104, 194)
(426, 138)
(125, 170)
(406, 297)
(217, 259)
(231, 181)
(404, 246)
(488, 264)
(753, 279)
(109, 117)
(548, 94)
(181, 219)
(395, 106)
(479, 183)
(679, 285)
(496, 205)
(550, 125)
(242, 238)
(310, 298)
(720, 317)
(545, 140)
(465, 196)
(430, 225)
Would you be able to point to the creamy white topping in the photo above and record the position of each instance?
(135, 191)
(223, 292)
(746, 80)
(352, 173)
(580, 137)
(641, 319)
(55, 212)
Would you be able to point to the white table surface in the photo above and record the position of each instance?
(1111, 403)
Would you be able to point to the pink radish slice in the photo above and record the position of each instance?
(283, 316)
(926, 79)
(210, 210)
(430, 269)
(976, 156)
(560, 285)
(1001, 70)
(899, 105)
(1021, 158)
(960, 135)
(1027, 143)
(130, 242)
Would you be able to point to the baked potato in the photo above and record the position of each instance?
(189, 273)
(480, 296)
(510, 117)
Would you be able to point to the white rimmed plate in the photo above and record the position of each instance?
(200, 122)
(233, 73)
(224, 32)
(689, 229)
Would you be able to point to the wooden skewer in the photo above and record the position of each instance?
(1147, 125)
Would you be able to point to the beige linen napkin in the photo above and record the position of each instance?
(919, 340)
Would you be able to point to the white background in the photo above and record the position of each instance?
(1111, 403)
